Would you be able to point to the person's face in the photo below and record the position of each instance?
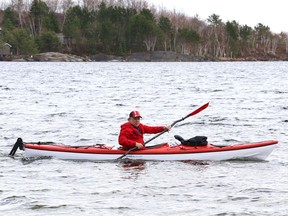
(135, 121)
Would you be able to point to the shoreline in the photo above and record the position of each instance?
(155, 56)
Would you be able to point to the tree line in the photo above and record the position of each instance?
(120, 27)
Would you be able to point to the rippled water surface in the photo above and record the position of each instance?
(85, 103)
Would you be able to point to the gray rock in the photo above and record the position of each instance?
(58, 57)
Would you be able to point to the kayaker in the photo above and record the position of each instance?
(131, 133)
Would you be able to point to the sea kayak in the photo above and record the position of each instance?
(162, 152)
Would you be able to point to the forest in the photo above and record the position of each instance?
(122, 27)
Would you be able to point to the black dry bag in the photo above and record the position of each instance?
(194, 141)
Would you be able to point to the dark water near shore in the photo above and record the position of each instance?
(85, 103)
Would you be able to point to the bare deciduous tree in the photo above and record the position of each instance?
(21, 9)
(64, 6)
(53, 5)
(91, 5)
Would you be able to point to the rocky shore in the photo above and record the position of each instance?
(155, 56)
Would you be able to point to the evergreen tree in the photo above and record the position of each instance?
(48, 42)
(52, 23)
(232, 29)
(9, 21)
(166, 31)
(38, 13)
(22, 43)
(142, 30)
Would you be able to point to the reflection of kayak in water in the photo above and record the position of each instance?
(180, 152)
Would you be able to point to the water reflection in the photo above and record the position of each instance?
(133, 165)
(194, 162)
(132, 168)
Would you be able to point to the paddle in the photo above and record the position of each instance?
(175, 122)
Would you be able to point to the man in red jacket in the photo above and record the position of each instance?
(131, 133)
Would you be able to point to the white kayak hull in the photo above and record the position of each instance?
(249, 153)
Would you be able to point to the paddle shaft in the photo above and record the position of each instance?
(175, 122)
(164, 130)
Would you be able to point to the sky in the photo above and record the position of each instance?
(246, 12)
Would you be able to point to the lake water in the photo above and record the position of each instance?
(85, 104)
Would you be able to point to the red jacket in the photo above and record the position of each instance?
(129, 135)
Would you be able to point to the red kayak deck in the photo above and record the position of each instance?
(161, 149)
